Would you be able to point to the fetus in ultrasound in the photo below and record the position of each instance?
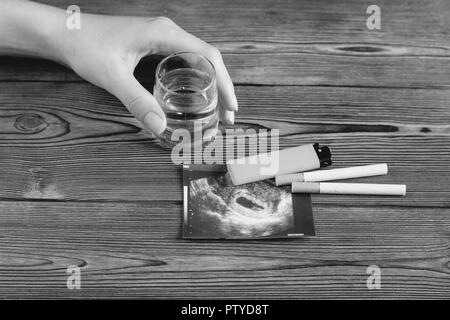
(252, 210)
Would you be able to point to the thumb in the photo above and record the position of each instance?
(141, 103)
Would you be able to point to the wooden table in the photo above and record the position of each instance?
(81, 184)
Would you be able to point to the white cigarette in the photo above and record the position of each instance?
(349, 188)
(333, 174)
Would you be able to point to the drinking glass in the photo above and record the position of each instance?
(186, 90)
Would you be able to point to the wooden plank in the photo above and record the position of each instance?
(134, 250)
(139, 170)
(304, 69)
(74, 141)
(293, 21)
(295, 42)
(386, 106)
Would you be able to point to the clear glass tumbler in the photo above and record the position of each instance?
(186, 89)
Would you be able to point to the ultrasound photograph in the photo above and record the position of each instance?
(214, 208)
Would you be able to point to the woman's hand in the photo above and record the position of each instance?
(106, 50)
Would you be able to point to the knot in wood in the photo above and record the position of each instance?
(30, 123)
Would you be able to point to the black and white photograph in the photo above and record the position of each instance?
(225, 158)
(217, 209)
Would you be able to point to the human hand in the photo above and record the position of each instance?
(106, 50)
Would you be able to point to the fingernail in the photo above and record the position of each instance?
(234, 103)
(154, 122)
(230, 118)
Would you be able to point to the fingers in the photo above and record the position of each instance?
(175, 39)
(227, 95)
(226, 116)
(227, 98)
(141, 103)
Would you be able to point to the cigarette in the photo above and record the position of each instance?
(334, 174)
(349, 188)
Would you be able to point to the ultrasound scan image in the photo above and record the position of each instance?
(253, 210)
(215, 208)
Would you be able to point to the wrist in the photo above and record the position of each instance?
(52, 36)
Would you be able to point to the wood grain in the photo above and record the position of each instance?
(82, 184)
(396, 106)
(291, 21)
(131, 250)
(295, 42)
(302, 69)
